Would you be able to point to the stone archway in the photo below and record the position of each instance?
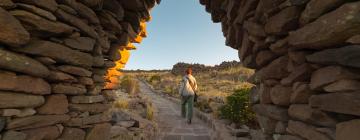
(59, 58)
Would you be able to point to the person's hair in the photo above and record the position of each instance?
(188, 70)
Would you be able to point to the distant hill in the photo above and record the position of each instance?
(179, 68)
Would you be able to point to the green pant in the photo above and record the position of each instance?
(187, 105)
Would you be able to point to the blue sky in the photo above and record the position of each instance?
(180, 31)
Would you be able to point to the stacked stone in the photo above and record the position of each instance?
(306, 57)
(53, 59)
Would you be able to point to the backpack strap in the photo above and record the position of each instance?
(192, 85)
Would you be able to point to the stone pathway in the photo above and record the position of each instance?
(171, 125)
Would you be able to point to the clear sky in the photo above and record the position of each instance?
(180, 31)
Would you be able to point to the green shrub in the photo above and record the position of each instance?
(155, 78)
(130, 85)
(237, 107)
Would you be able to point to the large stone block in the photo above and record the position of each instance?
(22, 64)
(50, 5)
(17, 112)
(57, 76)
(327, 75)
(58, 52)
(267, 124)
(20, 83)
(55, 104)
(83, 11)
(36, 121)
(80, 43)
(343, 86)
(274, 70)
(316, 8)
(300, 73)
(77, 22)
(286, 20)
(99, 131)
(40, 26)
(12, 32)
(43, 133)
(280, 95)
(72, 134)
(13, 135)
(301, 94)
(348, 130)
(68, 89)
(272, 111)
(87, 99)
(307, 114)
(93, 119)
(306, 131)
(346, 103)
(17, 100)
(345, 56)
(329, 30)
(79, 71)
(36, 10)
(91, 108)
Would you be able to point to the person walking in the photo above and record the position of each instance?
(187, 90)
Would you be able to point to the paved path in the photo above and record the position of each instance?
(171, 125)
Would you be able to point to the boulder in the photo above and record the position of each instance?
(68, 89)
(274, 70)
(354, 39)
(91, 108)
(265, 57)
(77, 22)
(12, 32)
(99, 131)
(93, 119)
(79, 71)
(36, 121)
(49, 5)
(38, 11)
(86, 81)
(346, 103)
(22, 64)
(80, 43)
(280, 47)
(345, 56)
(280, 95)
(299, 74)
(20, 83)
(254, 29)
(115, 7)
(305, 131)
(310, 115)
(272, 111)
(40, 26)
(83, 11)
(327, 75)
(13, 135)
(280, 127)
(17, 112)
(286, 20)
(348, 130)
(45, 60)
(301, 94)
(72, 134)
(316, 8)
(55, 104)
(57, 76)
(57, 52)
(17, 100)
(7, 4)
(343, 86)
(87, 99)
(329, 30)
(43, 133)
(267, 124)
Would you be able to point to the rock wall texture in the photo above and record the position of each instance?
(59, 62)
(306, 54)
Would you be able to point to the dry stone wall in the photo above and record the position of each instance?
(58, 59)
(306, 56)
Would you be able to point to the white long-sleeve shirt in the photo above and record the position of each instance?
(185, 87)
